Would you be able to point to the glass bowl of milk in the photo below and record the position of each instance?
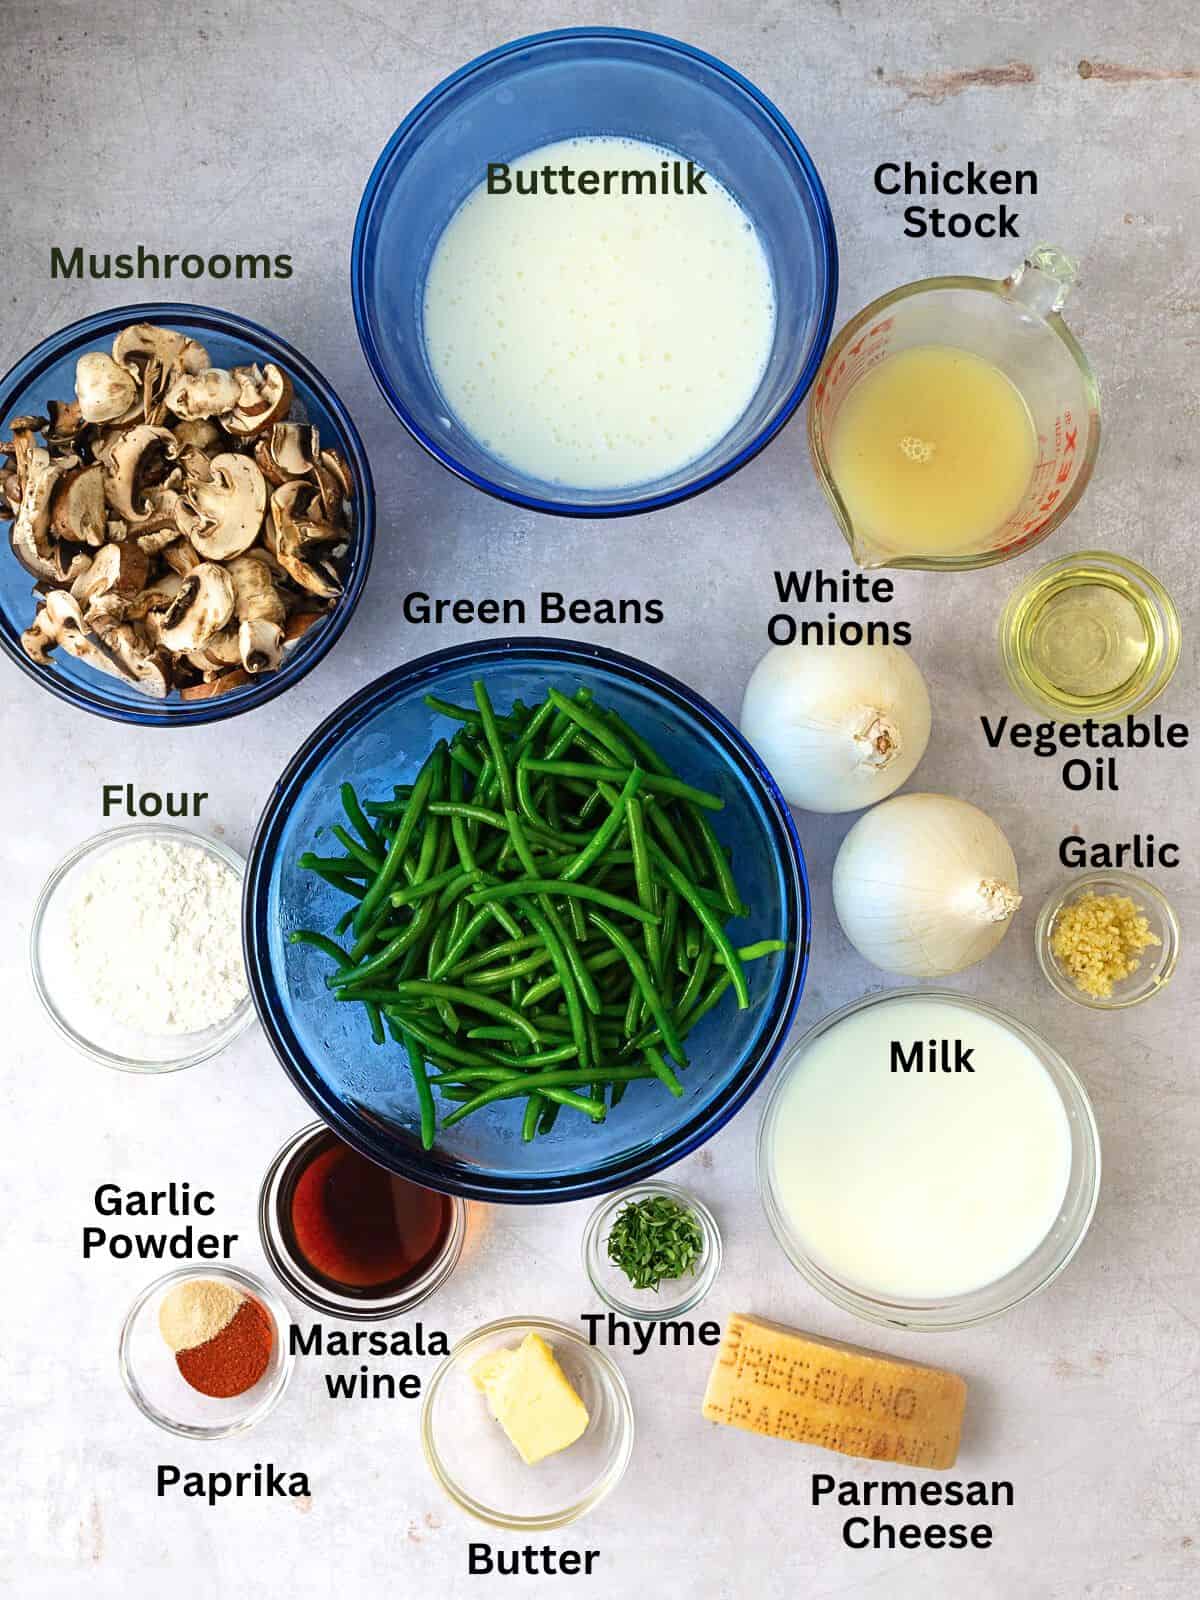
(594, 272)
(926, 1160)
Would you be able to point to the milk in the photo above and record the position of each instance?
(919, 1185)
(599, 341)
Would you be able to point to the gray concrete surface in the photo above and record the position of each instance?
(238, 126)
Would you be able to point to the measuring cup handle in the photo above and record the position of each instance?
(1043, 280)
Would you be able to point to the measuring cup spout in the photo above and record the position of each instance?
(1043, 280)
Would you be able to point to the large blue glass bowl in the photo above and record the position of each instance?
(558, 86)
(48, 373)
(363, 1090)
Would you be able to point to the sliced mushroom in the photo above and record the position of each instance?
(260, 613)
(58, 613)
(104, 390)
(231, 507)
(142, 342)
(66, 421)
(292, 538)
(203, 435)
(290, 450)
(78, 512)
(234, 679)
(142, 661)
(265, 398)
(119, 570)
(155, 356)
(24, 443)
(196, 396)
(31, 538)
(181, 557)
(297, 625)
(220, 651)
(201, 609)
(128, 464)
(60, 623)
(156, 598)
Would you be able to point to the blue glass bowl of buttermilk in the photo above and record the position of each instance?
(594, 272)
(365, 1092)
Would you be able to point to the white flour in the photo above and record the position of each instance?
(154, 936)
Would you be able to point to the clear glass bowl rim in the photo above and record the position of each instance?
(691, 1290)
(291, 1273)
(961, 1311)
(252, 1286)
(613, 1381)
(1154, 591)
(235, 1024)
(825, 236)
(342, 722)
(1165, 962)
(187, 713)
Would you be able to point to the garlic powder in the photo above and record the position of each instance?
(154, 937)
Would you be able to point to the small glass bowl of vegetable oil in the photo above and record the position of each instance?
(1091, 635)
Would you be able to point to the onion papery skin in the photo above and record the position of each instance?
(925, 885)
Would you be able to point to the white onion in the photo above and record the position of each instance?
(925, 885)
(840, 726)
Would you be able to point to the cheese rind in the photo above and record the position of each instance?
(771, 1380)
(531, 1398)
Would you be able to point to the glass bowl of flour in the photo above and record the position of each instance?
(135, 948)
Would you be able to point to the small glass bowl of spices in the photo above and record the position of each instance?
(136, 948)
(1108, 940)
(652, 1252)
(350, 1238)
(205, 1354)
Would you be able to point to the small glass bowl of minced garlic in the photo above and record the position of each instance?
(1108, 940)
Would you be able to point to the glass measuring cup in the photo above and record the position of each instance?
(1014, 324)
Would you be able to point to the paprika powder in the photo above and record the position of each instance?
(236, 1359)
(222, 1338)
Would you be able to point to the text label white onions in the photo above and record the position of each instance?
(839, 726)
(925, 885)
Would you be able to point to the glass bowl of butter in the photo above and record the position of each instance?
(527, 1426)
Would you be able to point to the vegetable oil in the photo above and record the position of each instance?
(1090, 636)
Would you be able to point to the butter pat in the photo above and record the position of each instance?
(531, 1399)
(770, 1380)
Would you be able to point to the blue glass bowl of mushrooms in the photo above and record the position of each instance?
(191, 515)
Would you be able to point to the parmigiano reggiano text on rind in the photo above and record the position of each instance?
(770, 1380)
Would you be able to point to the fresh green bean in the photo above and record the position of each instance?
(514, 889)
(357, 819)
(641, 976)
(686, 890)
(426, 780)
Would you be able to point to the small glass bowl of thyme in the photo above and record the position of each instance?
(652, 1252)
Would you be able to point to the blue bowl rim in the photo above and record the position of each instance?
(185, 713)
(411, 1161)
(826, 235)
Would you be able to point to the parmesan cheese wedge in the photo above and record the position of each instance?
(771, 1380)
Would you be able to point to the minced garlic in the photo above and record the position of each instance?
(1097, 940)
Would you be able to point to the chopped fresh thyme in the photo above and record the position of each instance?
(655, 1240)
